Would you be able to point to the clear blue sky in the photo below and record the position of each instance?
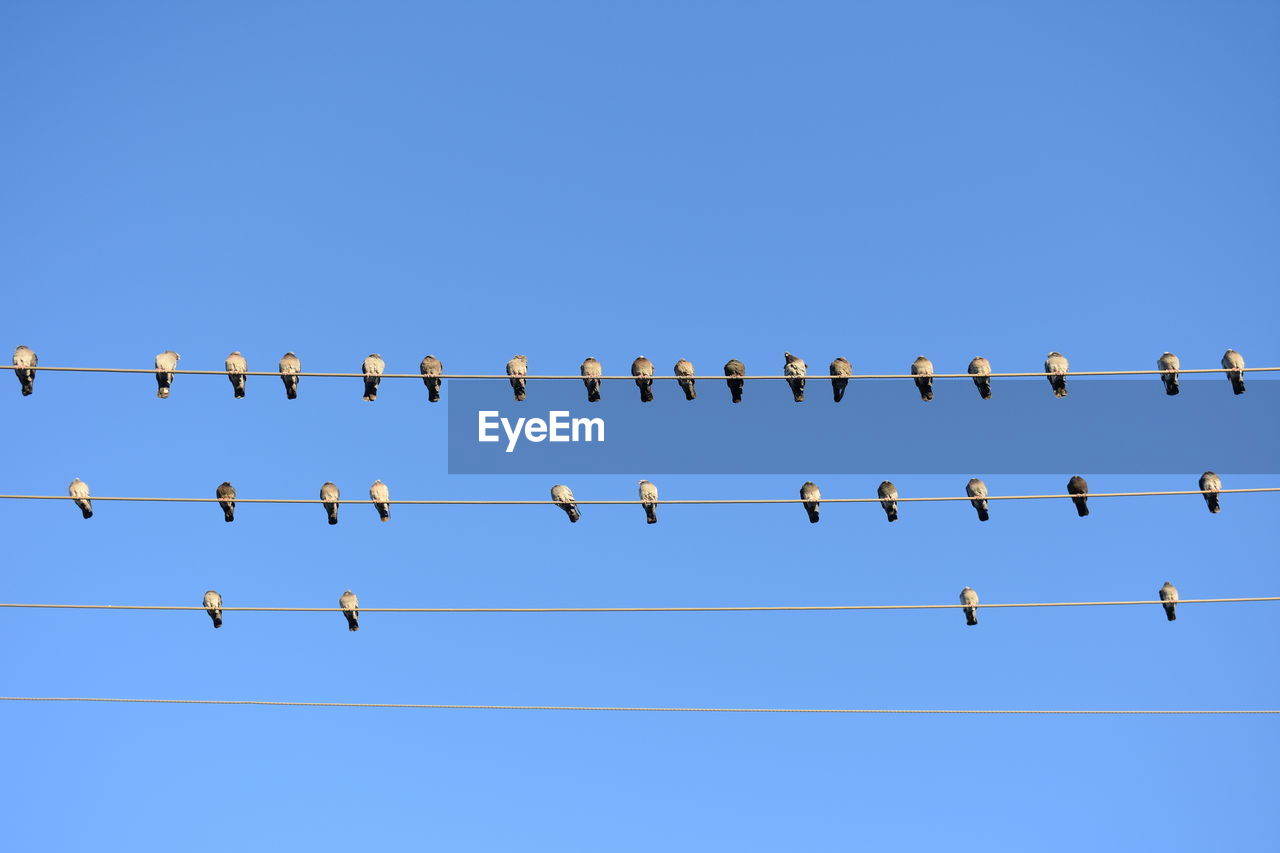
(706, 180)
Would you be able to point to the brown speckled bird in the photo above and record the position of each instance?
(226, 494)
(1077, 486)
(236, 366)
(213, 606)
(980, 369)
(563, 496)
(290, 367)
(166, 363)
(888, 494)
(795, 370)
(24, 363)
(1056, 366)
(734, 370)
(969, 599)
(351, 609)
(372, 368)
(431, 369)
(381, 497)
(1234, 363)
(518, 369)
(841, 370)
(1169, 595)
(683, 369)
(642, 370)
(922, 370)
(591, 373)
(649, 499)
(1169, 364)
(329, 495)
(977, 490)
(812, 497)
(1211, 484)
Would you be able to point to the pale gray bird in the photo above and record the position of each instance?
(969, 599)
(1055, 365)
(922, 370)
(1169, 595)
(980, 370)
(1234, 363)
(166, 363)
(1169, 364)
(795, 370)
(649, 499)
(734, 370)
(1077, 486)
(642, 370)
(236, 366)
(1211, 484)
(591, 372)
(381, 497)
(431, 370)
(290, 367)
(24, 362)
(518, 369)
(977, 490)
(213, 606)
(684, 368)
(812, 497)
(227, 500)
(329, 494)
(351, 609)
(840, 370)
(80, 491)
(563, 496)
(888, 494)
(372, 368)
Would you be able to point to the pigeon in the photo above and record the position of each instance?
(329, 495)
(922, 370)
(24, 362)
(969, 599)
(795, 370)
(236, 367)
(166, 363)
(518, 369)
(1169, 595)
(649, 499)
(591, 371)
(1077, 486)
(372, 368)
(642, 370)
(563, 496)
(80, 491)
(1234, 363)
(1211, 484)
(430, 368)
(227, 500)
(1055, 364)
(980, 369)
(381, 497)
(977, 490)
(290, 366)
(840, 370)
(1169, 364)
(351, 609)
(888, 494)
(213, 606)
(684, 368)
(812, 497)
(734, 370)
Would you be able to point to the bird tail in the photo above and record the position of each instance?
(384, 512)
(370, 390)
(163, 392)
(797, 389)
(593, 393)
(926, 391)
(291, 389)
(1212, 501)
(984, 388)
(216, 616)
(229, 513)
(1060, 388)
(27, 388)
(86, 508)
(892, 512)
(518, 386)
(983, 515)
(971, 616)
(689, 393)
(574, 515)
(646, 390)
(837, 388)
(735, 390)
(433, 393)
(333, 515)
(650, 514)
(353, 621)
(1237, 382)
(1082, 506)
(1171, 612)
(813, 514)
(1171, 386)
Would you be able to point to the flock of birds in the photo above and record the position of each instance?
(795, 371)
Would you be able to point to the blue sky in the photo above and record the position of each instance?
(706, 180)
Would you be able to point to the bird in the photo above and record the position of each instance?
(683, 369)
(795, 370)
(649, 499)
(372, 368)
(227, 500)
(888, 494)
(591, 372)
(969, 599)
(236, 366)
(431, 368)
(329, 494)
(563, 496)
(24, 362)
(1169, 595)
(980, 369)
(812, 497)
(922, 370)
(642, 370)
(290, 366)
(1056, 364)
(1211, 484)
(734, 370)
(1077, 486)
(166, 363)
(1169, 364)
(1234, 363)
(840, 370)
(351, 609)
(381, 497)
(518, 369)
(213, 606)
(977, 490)
(79, 490)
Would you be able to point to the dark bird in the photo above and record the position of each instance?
(213, 606)
(166, 363)
(980, 370)
(372, 368)
(1169, 364)
(1169, 595)
(227, 500)
(795, 370)
(1234, 363)
(1211, 484)
(1055, 365)
(431, 369)
(649, 499)
(381, 497)
(290, 366)
(80, 491)
(888, 494)
(351, 609)
(518, 369)
(563, 496)
(24, 363)
(236, 366)
(642, 370)
(591, 372)
(684, 368)
(812, 498)
(1077, 486)
(734, 370)
(977, 490)
(841, 370)
(969, 599)
(922, 370)
(329, 494)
